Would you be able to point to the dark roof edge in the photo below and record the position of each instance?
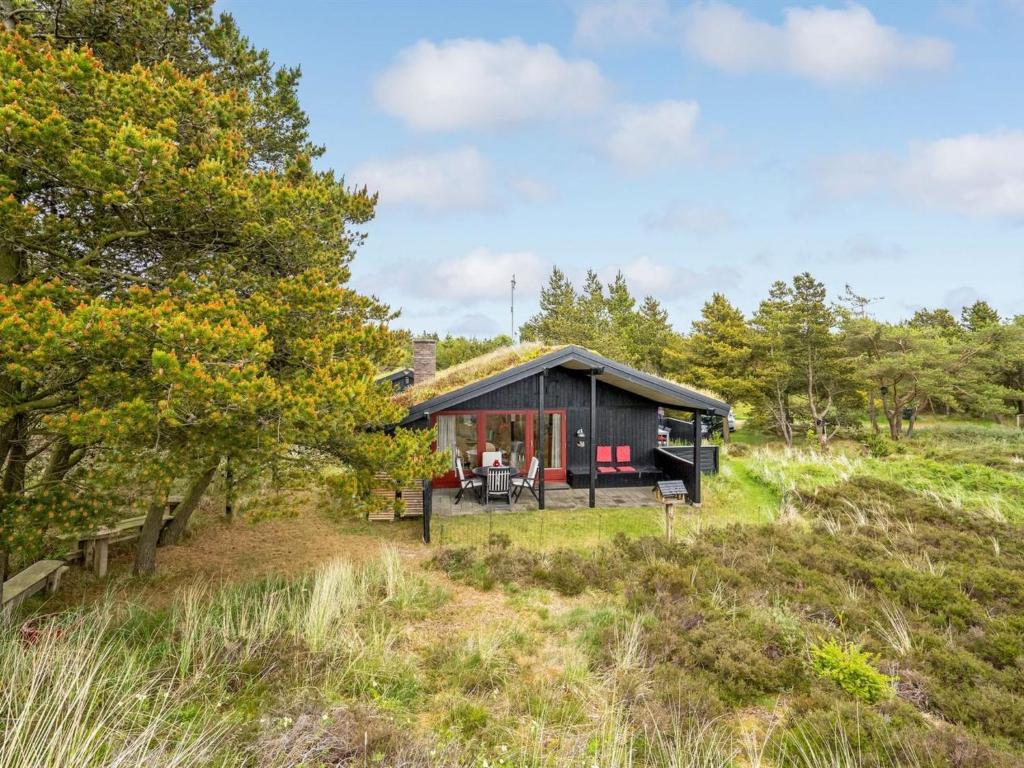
(551, 360)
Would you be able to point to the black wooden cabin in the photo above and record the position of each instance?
(561, 407)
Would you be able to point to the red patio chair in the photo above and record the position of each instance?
(604, 459)
(622, 459)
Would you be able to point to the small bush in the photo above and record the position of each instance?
(851, 669)
(877, 446)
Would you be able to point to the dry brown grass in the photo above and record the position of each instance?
(478, 368)
(222, 552)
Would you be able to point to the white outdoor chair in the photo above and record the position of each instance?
(529, 482)
(474, 483)
(499, 483)
(490, 457)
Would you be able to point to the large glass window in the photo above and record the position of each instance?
(466, 439)
(553, 440)
(506, 433)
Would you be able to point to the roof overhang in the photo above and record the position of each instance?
(659, 391)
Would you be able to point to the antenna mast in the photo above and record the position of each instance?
(512, 308)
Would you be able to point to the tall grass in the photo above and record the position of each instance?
(76, 695)
(963, 485)
(116, 685)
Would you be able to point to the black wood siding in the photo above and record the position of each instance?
(622, 417)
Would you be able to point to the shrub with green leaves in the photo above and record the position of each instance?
(852, 669)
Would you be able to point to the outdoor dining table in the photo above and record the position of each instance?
(482, 471)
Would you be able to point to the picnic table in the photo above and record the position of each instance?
(94, 546)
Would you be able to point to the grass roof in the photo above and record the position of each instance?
(458, 376)
(497, 361)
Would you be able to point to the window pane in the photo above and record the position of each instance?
(553, 440)
(465, 439)
(506, 433)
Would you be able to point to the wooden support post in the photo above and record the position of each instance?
(670, 519)
(593, 439)
(428, 509)
(88, 553)
(99, 564)
(541, 438)
(695, 491)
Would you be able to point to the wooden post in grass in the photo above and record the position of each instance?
(695, 491)
(593, 438)
(541, 437)
(669, 493)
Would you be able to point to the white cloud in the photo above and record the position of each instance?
(667, 280)
(697, 219)
(466, 84)
(646, 276)
(973, 174)
(958, 298)
(976, 174)
(621, 21)
(454, 180)
(648, 136)
(826, 45)
(533, 190)
(477, 325)
(484, 274)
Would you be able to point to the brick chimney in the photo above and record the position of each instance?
(424, 360)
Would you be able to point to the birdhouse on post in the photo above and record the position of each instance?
(670, 493)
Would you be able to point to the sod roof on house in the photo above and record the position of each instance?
(508, 364)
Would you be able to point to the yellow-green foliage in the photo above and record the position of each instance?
(852, 669)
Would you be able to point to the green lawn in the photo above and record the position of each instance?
(734, 496)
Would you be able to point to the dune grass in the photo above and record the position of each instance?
(963, 485)
(582, 652)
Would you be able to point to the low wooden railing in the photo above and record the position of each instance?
(676, 464)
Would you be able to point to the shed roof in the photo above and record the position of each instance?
(661, 391)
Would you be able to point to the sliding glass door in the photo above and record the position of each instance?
(511, 434)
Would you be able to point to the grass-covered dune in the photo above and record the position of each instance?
(857, 610)
(877, 615)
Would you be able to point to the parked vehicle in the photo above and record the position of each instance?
(712, 425)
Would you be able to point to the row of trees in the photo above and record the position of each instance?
(606, 319)
(806, 363)
(173, 273)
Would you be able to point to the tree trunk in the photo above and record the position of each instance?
(176, 528)
(229, 490)
(60, 462)
(4, 559)
(145, 550)
(17, 457)
(873, 412)
(911, 422)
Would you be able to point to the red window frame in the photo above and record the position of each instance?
(449, 479)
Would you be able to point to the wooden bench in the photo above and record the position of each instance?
(94, 547)
(45, 573)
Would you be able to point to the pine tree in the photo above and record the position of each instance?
(719, 350)
(978, 316)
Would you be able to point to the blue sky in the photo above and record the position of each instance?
(696, 146)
